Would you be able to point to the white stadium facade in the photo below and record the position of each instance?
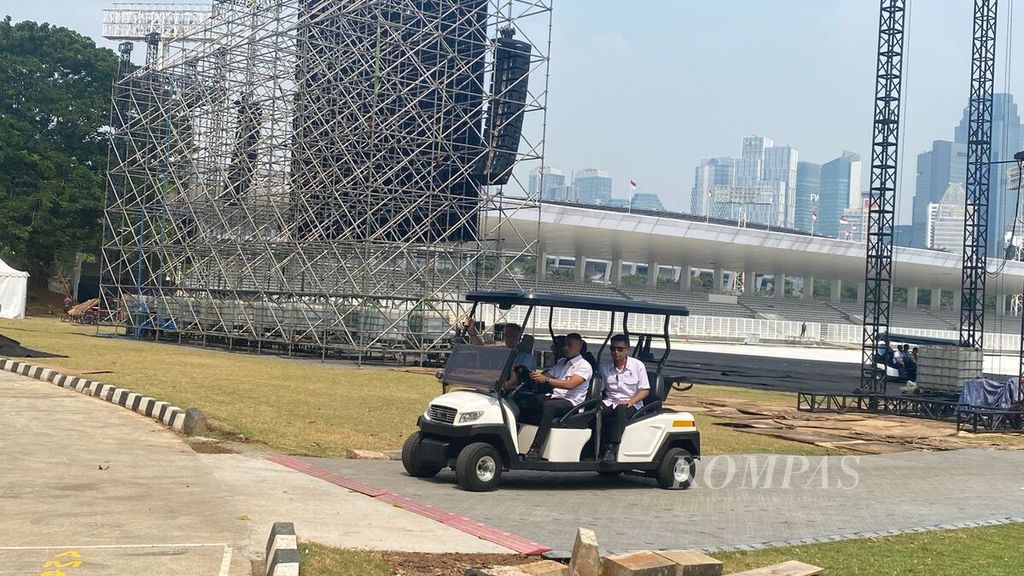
(679, 245)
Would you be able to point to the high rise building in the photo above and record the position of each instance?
(592, 186)
(944, 164)
(711, 172)
(1006, 141)
(750, 168)
(840, 189)
(647, 202)
(780, 165)
(548, 185)
(808, 190)
(946, 220)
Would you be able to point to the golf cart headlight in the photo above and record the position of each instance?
(470, 416)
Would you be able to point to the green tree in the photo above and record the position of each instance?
(54, 105)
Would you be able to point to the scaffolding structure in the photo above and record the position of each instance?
(325, 177)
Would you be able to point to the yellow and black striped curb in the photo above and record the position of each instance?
(162, 412)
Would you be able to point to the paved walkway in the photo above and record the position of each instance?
(86, 481)
(802, 499)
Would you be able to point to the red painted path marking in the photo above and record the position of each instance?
(467, 525)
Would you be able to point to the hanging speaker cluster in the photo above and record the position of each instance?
(504, 126)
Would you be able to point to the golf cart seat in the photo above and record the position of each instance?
(658, 394)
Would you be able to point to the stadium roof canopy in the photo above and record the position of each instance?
(679, 240)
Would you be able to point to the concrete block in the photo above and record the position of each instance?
(285, 562)
(178, 421)
(693, 563)
(282, 550)
(194, 423)
(642, 563)
(545, 568)
(353, 454)
(586, 557)
(145, 405)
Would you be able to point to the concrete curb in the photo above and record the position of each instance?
(282, 550)
(171, 416)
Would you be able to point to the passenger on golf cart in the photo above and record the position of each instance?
(510, 339)
(626, 385)
(569, 379)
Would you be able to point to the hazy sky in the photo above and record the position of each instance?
(645, 89)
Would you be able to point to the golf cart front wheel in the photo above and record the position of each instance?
(677, 470)
(412, 460)
(478, 468)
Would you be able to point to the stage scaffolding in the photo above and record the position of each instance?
(324, 177)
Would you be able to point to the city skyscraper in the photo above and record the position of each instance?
(592, 186)
(1006, 141)
(808, 188)
(711, 172)
(647, 201)
(840, 189)
(780, 165)
(548, 185)
(946, 220)
(750, 168)
(944, 164)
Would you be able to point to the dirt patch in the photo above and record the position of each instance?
(210, 448)
(420, 564)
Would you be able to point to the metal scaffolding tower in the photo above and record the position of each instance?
(325, 178)
(979, 155)
(882, 200)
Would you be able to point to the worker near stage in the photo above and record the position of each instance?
(510, 339)
(625, 387)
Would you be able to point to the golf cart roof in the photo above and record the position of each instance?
(919, 340)
(508, 299)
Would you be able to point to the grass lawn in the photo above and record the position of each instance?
(992, 551)
(319, 560)
(299, 406)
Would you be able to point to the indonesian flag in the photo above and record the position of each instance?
(814, 214)
(632, 184)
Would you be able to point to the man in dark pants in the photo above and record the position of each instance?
(570, 379)
(625, 387)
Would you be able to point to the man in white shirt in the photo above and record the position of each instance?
(570, 379)
(625, 387)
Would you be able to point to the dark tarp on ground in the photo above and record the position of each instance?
(13, 349)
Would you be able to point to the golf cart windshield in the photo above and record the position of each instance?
(477, 367)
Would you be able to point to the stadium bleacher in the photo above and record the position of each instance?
(697, 302)
(794, 309)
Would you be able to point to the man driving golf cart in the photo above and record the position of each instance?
(475, 429)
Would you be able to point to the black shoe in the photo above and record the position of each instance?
(609, 456)
(534, 454)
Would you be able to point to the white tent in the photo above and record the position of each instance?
(13, 291)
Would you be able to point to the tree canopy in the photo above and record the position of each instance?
(54, 104)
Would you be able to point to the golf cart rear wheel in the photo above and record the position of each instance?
(478, 468)
(412, 460)
(676, 470)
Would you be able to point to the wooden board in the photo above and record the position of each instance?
(789, 568)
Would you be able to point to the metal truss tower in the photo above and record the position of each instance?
(881, 204)
(322, 177)
(979, 155)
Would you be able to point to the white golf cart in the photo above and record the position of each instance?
(473, 430)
